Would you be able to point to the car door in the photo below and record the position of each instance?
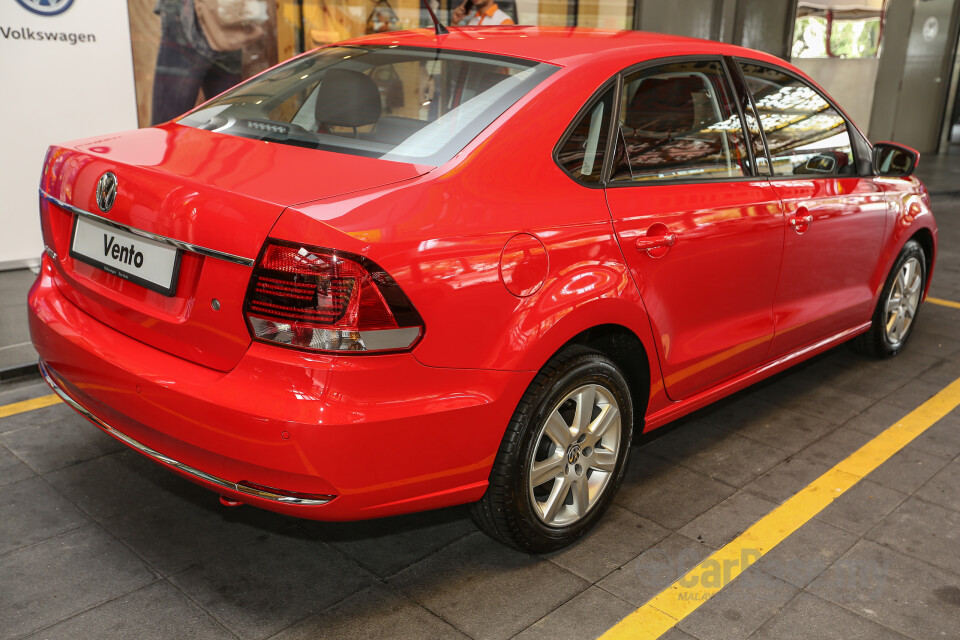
(834, 216)
(702, 234)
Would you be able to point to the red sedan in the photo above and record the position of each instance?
(411, 271)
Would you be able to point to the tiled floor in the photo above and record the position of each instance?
(15, 347)
(97, 542)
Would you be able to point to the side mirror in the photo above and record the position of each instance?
(894, 160)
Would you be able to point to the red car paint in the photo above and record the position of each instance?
(504, 256)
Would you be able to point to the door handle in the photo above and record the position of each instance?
(798, 220)
(645, 243)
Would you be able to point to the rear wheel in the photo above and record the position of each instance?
(896, 312)
(562, 456)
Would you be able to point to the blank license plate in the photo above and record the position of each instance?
(147, 262)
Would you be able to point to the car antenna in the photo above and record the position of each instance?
(439, 29)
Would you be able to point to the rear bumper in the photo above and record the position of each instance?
(327, 438)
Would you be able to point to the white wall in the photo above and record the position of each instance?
(849, 81)
(55, 91)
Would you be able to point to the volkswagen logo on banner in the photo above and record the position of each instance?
(45, 7)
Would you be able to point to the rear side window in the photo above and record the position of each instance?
(805, 135)
(581, 154)
(678, 121)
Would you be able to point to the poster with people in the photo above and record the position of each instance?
(186, 51)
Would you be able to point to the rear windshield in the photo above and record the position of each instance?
(397, 103)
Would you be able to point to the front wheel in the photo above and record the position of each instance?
(896, 312)
(562, 456)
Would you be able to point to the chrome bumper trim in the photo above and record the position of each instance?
(167, 460)
(186, 246)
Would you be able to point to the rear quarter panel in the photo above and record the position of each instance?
(441, 237)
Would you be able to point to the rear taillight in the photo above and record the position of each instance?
(326, 300)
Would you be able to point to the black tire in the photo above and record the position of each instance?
(510, 510)
(880, 341)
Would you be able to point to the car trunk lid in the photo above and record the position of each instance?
(216, 196)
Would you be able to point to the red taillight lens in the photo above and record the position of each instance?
(315, 298)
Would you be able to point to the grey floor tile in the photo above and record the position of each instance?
(59, 443)
(806, 553)
(907, 470)
(942, 439)
(739, 608)
(155, 612)
(263, 587)
(667, 493)
(944, 488)
(12, 468)
(485, 589)
(827, 403)
(786, 479)
(56, 579)
(18, 354)
(939, 321)
(722, 523)
(821, 620)
(922, 530)
(619, 537)
(914, 394)
(943, 373)
(32, 511)
(910, 362)
(784, 429)
(169, 521)
(868, 381)
(834, 447)
(877, 418)
(717, 453)
(35, 417)
(899, 592)
(16, 283)
(375, 612)
(588, 615)
(388, 545)
(861, 507)
(655, 569)
(22, 389)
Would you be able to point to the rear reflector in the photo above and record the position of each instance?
(325, 300)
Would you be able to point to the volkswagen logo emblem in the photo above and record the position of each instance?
(106, 191)
(46, 7)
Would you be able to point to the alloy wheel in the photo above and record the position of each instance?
(575, 455)
(903, 301)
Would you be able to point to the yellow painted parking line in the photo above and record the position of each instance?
(28, 405)
(684, 596)
(944, 303)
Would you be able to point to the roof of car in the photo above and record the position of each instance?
(561, 45)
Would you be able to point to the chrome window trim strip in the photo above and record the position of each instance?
(186, 246)
(47, 373)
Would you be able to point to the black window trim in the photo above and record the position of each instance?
(859, 145)
(587, 107)
(743, 92)
(664, 182)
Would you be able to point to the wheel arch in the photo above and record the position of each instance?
(924, 236)
(626, 350)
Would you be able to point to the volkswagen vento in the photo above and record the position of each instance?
(410, 271)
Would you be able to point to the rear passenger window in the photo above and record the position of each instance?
(805, 135)
(678, 121)
(581, 154)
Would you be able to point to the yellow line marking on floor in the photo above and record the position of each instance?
(684, 596)
(944, 303)
(8, 410)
